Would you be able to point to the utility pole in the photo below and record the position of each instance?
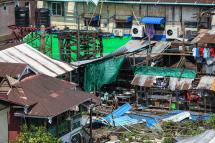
(91, 121)
(91, 126)
(78, 39)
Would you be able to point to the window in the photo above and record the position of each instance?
(76, 138)
(123, 24)
(26, 4)
(190, 24)
(76, 125)
(94, 22)
(57, 8)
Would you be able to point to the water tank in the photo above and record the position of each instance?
(42, 17)
(22, 16)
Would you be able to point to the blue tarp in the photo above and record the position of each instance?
(125, 120)
(96, 18)
(118, 112)
(130, 19)
(153, 20)
(119, 117)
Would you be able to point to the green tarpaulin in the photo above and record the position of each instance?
(100, 73)
(166, 72)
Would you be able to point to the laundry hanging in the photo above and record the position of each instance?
(150, 30)
(206, 53)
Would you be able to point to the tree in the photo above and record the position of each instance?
(35, 134)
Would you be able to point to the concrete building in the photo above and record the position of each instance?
(7, 13)
(115, 14)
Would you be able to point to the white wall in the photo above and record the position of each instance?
(4, 125)
(174, 14)
(7, 18)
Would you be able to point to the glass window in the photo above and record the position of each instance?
(57, 8)
(76, 124)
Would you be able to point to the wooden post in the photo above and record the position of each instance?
(101, 45)
(51, 43)
(61, 49)
(205, 104)
(57, 130)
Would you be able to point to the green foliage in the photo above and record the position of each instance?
(187, 128)
(34, 134)
(168, 140)
(211, 122)
(128, 137)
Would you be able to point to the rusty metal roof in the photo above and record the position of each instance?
(207, 39)
(174, 83)
(11, 69)
(47, 96)
(187, 65)
(207, 82)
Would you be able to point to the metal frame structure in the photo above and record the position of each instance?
(29, 34)
(88, 44)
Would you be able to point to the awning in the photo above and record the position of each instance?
(153, 20)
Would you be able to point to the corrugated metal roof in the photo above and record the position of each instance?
(207, 82)
(12, 69)
(205, 137)
(158, 48)
(180, 84)
(187, 65)
(201, 33)
(160, 2)
(47, 96)
(174, 83)
(207, 39)
(129, 47)
(39, 62)
(144, 80)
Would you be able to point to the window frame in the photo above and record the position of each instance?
(90, 22)
(56, 7)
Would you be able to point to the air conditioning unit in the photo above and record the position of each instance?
(118, 32)
(172, 32)
(137, 31)
(191, 32)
